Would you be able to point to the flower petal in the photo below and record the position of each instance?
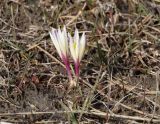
(64, 33)
(54, 39)
(82, 46)
(76, 35)
(71, 46)
(76, 43)
(61, 42)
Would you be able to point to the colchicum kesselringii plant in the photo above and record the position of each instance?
(60, 41)
(77, 47)
(63, 43)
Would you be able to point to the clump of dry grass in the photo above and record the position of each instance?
(119, 80)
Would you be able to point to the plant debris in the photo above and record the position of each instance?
(120, 70)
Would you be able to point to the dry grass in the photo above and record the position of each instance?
(120, 72)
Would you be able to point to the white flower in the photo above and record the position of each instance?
(60, 41)
(77, 47)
